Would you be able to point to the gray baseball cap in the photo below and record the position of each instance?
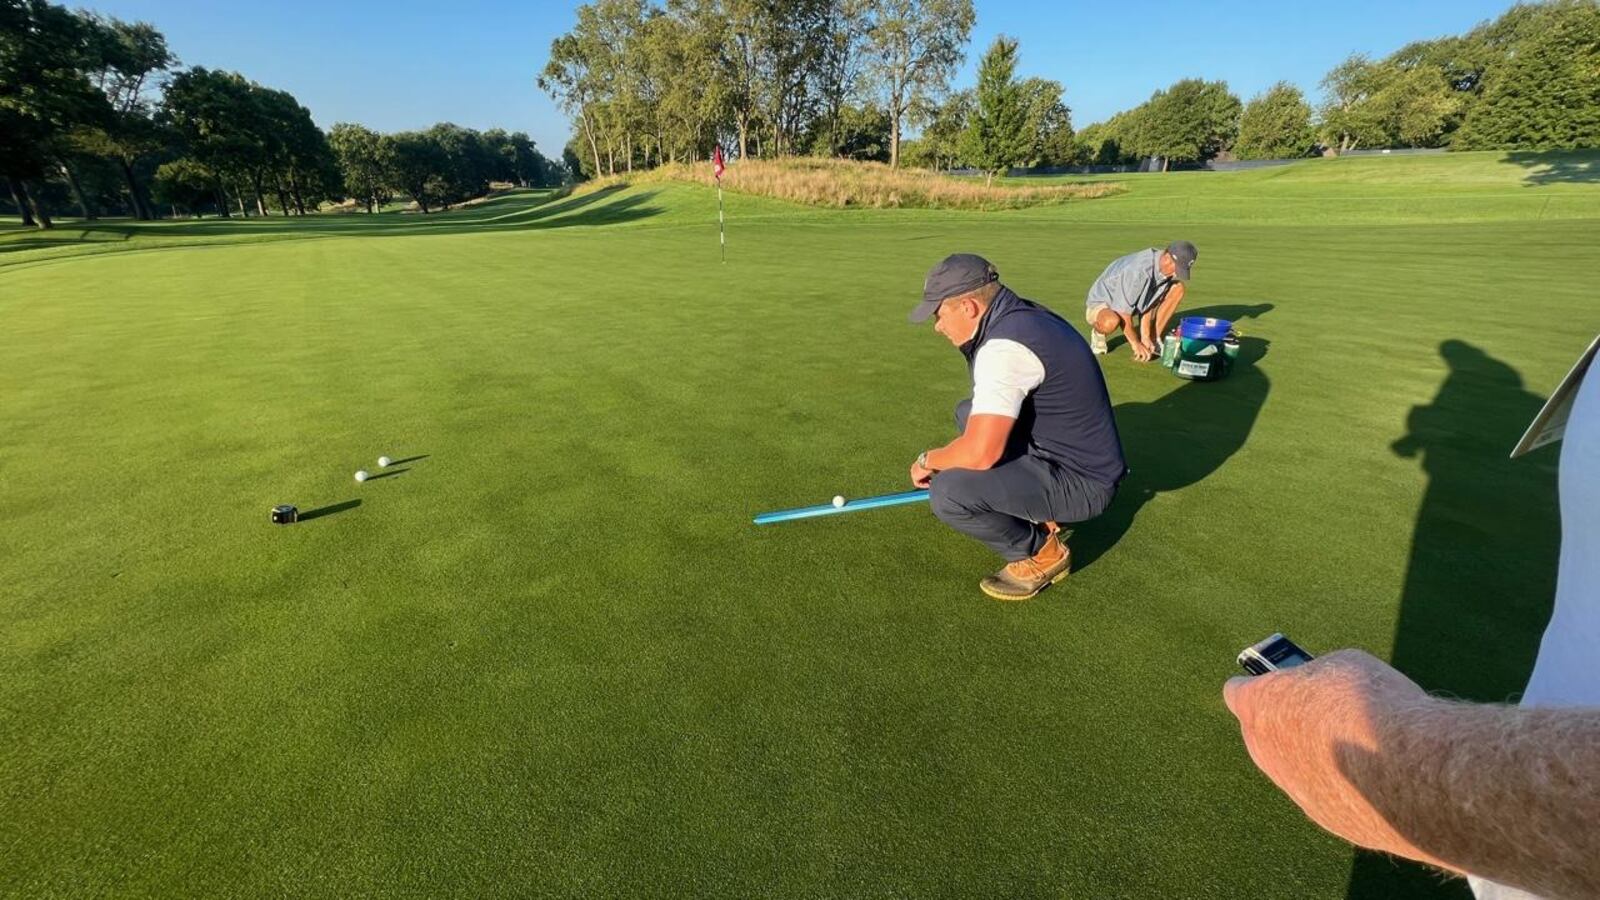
(1183, 256)
(956, 274)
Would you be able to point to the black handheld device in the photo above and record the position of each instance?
(1276, 652)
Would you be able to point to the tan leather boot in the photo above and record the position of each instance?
(1027, 577)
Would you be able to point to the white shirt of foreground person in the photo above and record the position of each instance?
(1567, 672)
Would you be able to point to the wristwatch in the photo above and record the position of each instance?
(922, 460)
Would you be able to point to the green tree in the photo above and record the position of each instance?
(997, 135)
(415, 162)
(1545, 95)
(570, 78)
(1190, 121)
(360, 154)
(227, 125)
(1049, 123)
(944, 125)
(840, 61)
(46, 53)
(185, 183)
(914, 47)
(1349, 117)
(1276, 124)
(853, 132)
(133, 57)
(1386, 104)
(688, 49)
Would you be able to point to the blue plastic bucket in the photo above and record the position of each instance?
(1196, 328)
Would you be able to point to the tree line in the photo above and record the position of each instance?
(96, 116)
(647, 83)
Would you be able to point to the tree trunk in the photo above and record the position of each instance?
(261, 204)
(17, 193)
(894, 140)
(41, 216)
(77, 189)
(744, 132)
(627, 148)
(283, 198)
(222, 201)
(369, 206)
(134, 199)
(988, 179)
(594, 147)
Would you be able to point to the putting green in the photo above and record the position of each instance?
(550, 653)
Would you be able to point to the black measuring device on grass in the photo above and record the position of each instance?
(1274, 653)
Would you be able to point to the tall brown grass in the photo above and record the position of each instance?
(843, 183)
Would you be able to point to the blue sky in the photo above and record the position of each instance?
(397, 64)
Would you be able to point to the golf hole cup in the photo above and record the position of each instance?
(285, 514)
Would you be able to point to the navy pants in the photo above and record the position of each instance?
(1005, 506)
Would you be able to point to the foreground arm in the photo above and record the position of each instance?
(1169, 305)
(1501, 792)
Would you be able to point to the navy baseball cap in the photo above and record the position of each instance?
(1183, 256)
(956, 274)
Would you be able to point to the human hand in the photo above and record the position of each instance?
(1313, 728)
(1142, 352)
(920, 475)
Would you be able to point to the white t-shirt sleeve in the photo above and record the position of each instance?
(1002, 375)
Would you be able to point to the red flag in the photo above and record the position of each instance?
(716, 162)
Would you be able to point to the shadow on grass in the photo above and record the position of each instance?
(387, 473)
(408, 459)
(1558, 167)
(1180, 439)
(1481, 578)
(329, 510)
(601, 207)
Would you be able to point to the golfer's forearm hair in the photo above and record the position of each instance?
(1501, 792)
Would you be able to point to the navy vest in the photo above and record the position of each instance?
(1066, 419)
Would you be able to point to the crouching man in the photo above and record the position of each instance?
(1038, 443)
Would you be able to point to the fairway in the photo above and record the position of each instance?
(549, 653)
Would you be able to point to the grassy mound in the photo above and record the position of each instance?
(844, 183)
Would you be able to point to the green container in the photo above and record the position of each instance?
(1169, 349)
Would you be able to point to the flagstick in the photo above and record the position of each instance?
(722, 236)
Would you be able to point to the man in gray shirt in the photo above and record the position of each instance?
(1145, 284)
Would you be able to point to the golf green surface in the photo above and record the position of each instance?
(548, 653)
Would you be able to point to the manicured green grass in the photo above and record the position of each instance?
(1457, 187)
(551, 655)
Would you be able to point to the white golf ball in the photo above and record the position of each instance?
(384, 461)
(361, 475)
(838, 502)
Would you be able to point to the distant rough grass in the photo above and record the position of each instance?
(842, 183)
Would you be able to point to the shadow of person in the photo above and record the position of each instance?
(1481, 578)
(1176, 441)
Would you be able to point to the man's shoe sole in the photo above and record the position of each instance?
(1017, 599)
